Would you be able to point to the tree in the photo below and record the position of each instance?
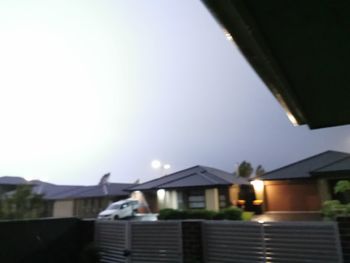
(259, 171)
(245, 170)
(21, 203)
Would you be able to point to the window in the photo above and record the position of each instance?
(223, 198)
(196, 199)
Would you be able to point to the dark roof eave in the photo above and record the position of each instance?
(235, 19)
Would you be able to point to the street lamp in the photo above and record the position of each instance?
(156, 164)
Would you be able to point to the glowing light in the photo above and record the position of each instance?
(156, 164)
(166, 166)
(228, 35)
(258, 185)
(161, 194)
(292, 119)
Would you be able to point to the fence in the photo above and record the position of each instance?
(221, 242)
(123, 241)
(271, 242)
(46, 240)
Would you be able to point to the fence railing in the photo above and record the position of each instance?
(271, 242)
(220, 242)
(123, 241)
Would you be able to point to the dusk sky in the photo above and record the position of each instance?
(90, 87)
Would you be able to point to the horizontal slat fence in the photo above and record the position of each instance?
(225, 241)
(156, 242)
(111, 238)
(137, 242)
(314, 242)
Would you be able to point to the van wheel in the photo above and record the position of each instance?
(116, 217)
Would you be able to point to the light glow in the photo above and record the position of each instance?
(166, 166)
(161, 194)
(156, 164)
(258, 185)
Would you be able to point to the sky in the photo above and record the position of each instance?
(91, 87)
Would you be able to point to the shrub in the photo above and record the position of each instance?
(168, 213)
(232, 213)
(333, 208)
(342, 186)
(247, 216)
(199, 214)
(219, 215)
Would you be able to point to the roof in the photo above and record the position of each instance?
(196, 176)
(338, 167)
(12, 180)
(54, 192)
(299, 49)
(306, 167)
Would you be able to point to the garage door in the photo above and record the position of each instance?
(292, 196)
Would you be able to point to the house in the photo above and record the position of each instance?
(70, 200)
(80, 201)
(197, 187)
(10, 183)
(306, 184)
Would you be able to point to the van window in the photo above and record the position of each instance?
(113, 207)
(124, 206)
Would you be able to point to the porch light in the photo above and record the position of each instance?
(257, 202)
(161, 194)
(258, 185)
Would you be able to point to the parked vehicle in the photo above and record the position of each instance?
(121, 209)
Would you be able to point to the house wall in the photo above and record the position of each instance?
(324, 190)
(91, 207)
(167, 199)
(63, 208)
(296, 195)
(151, 201)
(233, 193)
(212, 199)
(171, 199)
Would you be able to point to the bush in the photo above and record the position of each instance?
(232, 213)
(168, 213)
(199, 214)
(342, 186)
(333, 208)
(247, 216)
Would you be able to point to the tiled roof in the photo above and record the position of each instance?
(12, 180)
(305, 167)
(340, 166)
(196, 176)
(54, 192)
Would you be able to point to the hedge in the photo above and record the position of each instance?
(232, 213)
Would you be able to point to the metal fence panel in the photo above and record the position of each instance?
(111, 238)
(156, 242)
(302, 242)
(282, 242)
(228, 241)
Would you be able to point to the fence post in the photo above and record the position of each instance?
(192, 249)
(263, 241)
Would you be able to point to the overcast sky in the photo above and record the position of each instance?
(89, 87)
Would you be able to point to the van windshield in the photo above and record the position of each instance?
(113, 207)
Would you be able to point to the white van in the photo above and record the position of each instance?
(121, 209)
